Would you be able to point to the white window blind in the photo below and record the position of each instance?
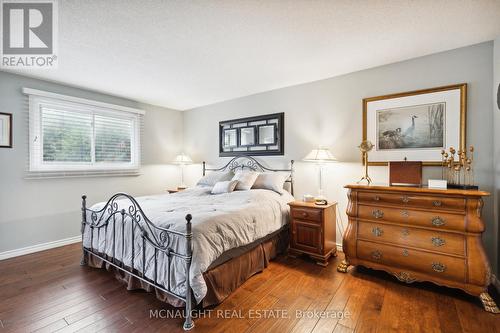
(73, 138)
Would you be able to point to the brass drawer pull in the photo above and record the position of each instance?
(376, 198)
(437, 221)
(405, 232)
(436, 241)
(437, 203)
(438, 267)
(405, 277)
(405, 199)
(377, 231)
(404, 213)
(377, 255)
(405, 253)
(378, 214)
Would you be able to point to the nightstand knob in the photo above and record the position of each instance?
(304, 214)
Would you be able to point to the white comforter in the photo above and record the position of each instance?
(220, 223)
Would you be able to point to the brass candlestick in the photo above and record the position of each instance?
(365, 147)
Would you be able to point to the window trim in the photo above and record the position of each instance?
(36, 163)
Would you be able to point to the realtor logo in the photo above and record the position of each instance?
(29, 34)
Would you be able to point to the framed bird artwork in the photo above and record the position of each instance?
(415, 125)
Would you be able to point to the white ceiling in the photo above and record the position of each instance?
(185, 54)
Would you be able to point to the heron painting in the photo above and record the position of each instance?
(411, 127)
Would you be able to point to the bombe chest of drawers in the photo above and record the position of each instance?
(419, 234)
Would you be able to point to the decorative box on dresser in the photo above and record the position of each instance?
(312, 229)
(419, 234)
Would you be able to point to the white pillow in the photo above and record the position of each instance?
(224, 187)
(245, 179)
(274, 181)
(213, 177)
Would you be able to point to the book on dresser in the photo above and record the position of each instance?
(419, 234)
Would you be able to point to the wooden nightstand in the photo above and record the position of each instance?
(312, 229)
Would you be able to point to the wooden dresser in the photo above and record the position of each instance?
(312, 229)
(419, 234)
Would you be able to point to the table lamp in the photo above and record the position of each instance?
(320, 156)
(182, 160)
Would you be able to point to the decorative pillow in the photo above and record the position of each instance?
(274, 181)
(213, 177)
(245, 179)
(224, 187)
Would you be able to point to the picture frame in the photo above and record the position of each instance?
(247, 132)
(416, 125)
(231, 137)
(264, 132)
(5, 130)
(247, 136)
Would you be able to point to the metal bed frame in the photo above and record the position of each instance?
(153, 236)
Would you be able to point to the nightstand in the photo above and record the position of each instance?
(313, 230)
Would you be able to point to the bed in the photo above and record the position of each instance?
(191, 246)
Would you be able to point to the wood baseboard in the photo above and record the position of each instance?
(39, 247)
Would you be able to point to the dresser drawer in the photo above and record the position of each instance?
(305, 213)
(433, 202)
(441, 266)
(405, 236)
(430, 219)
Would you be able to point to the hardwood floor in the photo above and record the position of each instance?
(48, 291)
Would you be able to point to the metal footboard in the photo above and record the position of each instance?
(133, 221)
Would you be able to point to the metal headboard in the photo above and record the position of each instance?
(248, 162)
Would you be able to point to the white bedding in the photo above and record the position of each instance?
(220, 223)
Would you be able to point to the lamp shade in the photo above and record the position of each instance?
(183, 159)
(320, 155)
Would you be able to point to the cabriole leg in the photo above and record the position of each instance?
(342, 267)
(488, 303)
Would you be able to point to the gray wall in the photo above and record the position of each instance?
(328, 112)
(39, 211)
(496, 130)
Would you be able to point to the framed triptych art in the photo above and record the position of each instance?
(415, 125)
(5, 130)
(254, 136)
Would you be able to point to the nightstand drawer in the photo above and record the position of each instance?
(305, 213)
(441, 266)
(448, 243)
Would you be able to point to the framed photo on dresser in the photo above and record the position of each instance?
(415, 125)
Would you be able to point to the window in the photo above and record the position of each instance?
(72, 134)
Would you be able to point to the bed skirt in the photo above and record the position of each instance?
(223, 278)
